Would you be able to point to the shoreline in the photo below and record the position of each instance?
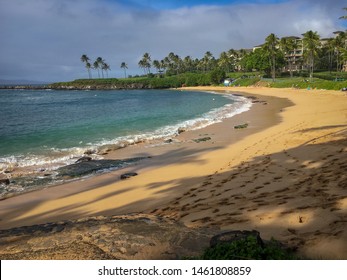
(271, 176)
(26, 175)
(160, 154)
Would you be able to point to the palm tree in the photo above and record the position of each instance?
(96, 67)
(85, 59)
(271, 47)
(144, 65)
(311, 45)
(208, 61)
(89, 66)
(288, 46)
(124, 66)
(156, 64)
(105, 67)
(146, 62)
(234, 59)
(339, 44)
(100, 63)
(330, 46)
(224, 61)
(188, 63)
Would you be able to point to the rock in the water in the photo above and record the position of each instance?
(109, 148)
(128, 175)
(231, 236)
(181, 130)
(5, 181)
(89, 152)
(87, 167)
(83, 159)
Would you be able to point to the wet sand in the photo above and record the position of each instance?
(284, 175)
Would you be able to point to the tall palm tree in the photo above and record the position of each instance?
(105, 67)
(143, 64)
(339, 44)
(89, 66)
(311, 45)
(288, 46)
(85, 59)
(224, 61)
(207, 61)
(147, 62)
(96, 67)
(330, 46)
(101, 63)
(188, 63)
(234, 59)
(156, 64)
(271, 47)
(124, 66)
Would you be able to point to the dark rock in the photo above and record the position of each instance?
(109, 148)
(181, 130)
(168, 141)
(204, 139)
(83, 159)
(89, 152)
(128, 175)
(5, 181)
(231, 236)
(87, 167)
(241, 126)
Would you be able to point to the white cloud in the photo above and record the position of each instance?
(44, 39)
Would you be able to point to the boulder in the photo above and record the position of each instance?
(128, 175)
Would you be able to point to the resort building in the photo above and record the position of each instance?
(295, 57)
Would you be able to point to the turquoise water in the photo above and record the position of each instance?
(41, 126)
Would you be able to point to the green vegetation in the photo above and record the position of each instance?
(288, 61)
(150, 81)
(248, 249)
(322, 80)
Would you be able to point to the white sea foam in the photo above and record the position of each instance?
(55, 158)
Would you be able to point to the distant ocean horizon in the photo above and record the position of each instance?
(53, 128)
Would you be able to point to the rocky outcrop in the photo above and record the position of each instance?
(118, 237)
(86, 165)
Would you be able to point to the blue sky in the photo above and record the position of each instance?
(173, 4)
(43, 40)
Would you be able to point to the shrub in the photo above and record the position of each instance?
(249, 249)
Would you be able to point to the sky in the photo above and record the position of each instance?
(43, 40)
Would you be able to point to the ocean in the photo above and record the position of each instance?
(47, 128)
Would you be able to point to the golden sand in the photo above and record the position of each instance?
(285, 175)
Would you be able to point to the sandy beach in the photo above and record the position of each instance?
(285, 175)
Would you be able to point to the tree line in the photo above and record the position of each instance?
(98, 64)
(271, 57)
